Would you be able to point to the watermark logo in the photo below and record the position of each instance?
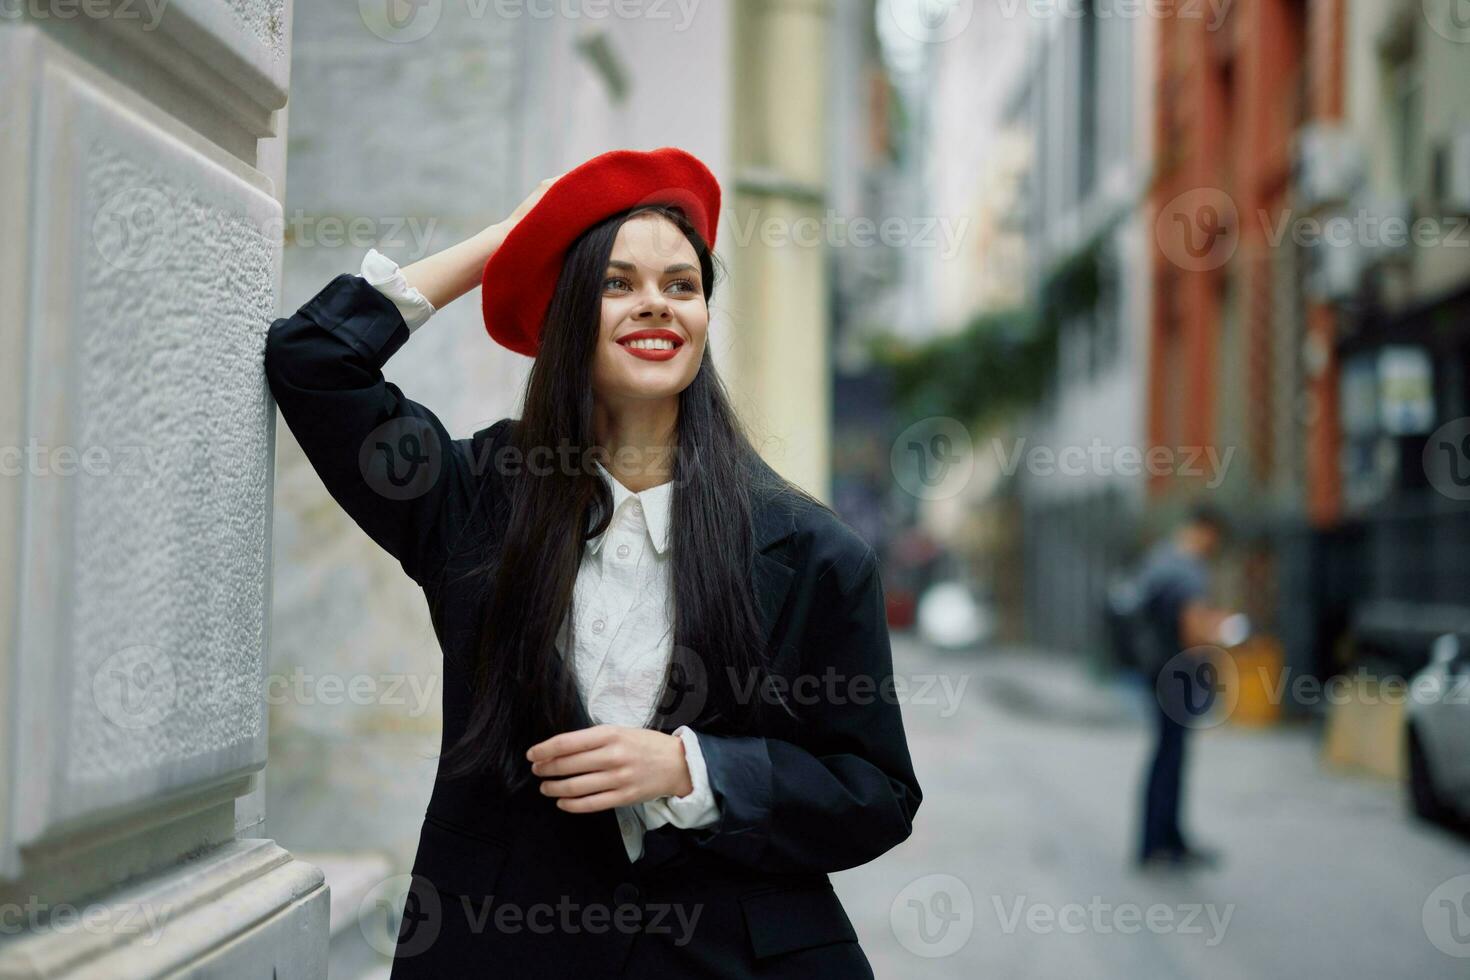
(1199, 687)
(1446, 917)
(1199, 230)
(1449, 19)
(400, 916)
(931, 21)
(688, 688)
(136, 687)
(1446, 459)
(401, 458)
(665, 239)
(401, 21)
(686, 692)
(133, 228)
(933, 458)
(933, 916)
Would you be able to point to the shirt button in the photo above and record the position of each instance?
(623, 551)
(597, 626)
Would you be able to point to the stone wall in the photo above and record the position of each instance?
(139, 271)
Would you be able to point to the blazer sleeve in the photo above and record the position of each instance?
(386, 459)
(851, 794)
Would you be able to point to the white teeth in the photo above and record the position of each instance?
(650, 344)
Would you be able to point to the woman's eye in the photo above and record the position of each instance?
(612, 282)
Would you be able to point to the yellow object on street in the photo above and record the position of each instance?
(1257, 676)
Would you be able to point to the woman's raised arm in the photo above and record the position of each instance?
(385, 458)
(446, 276)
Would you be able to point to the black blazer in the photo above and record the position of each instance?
(511, 886)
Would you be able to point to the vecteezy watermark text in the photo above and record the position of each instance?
(405, 21)
(1098, 458)
(90, 9)
(935, 915)
(839, 231)
(1103, 918)
(63, 918)
(1213, 12)
(402, 916)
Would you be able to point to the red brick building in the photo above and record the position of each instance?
(1240, 356)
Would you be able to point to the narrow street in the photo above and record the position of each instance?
(1030, 775)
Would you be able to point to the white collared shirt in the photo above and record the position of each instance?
(623, 608)
(383, 273)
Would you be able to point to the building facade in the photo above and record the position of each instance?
(1391, 165)
(1085, 99)
(1300, 325)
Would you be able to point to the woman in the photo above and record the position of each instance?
(654, 751)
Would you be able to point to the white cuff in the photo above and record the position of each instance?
(697, 809)
(383, 273)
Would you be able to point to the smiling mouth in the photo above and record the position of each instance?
(650, 344)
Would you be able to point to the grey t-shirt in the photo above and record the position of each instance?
(1169, 581)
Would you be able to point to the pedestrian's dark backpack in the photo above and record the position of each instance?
(1131, 626)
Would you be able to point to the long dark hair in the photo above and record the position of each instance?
(523, 691)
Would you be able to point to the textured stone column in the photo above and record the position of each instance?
(139, 270)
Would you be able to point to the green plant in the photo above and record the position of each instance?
(1001, 362)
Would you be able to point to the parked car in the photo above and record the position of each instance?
(1438, 735)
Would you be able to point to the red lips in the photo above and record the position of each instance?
(653, 334)
(658, 333)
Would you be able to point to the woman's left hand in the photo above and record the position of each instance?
(608, 766)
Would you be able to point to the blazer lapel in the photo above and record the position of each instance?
(771, 579)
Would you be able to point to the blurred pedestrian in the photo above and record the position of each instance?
(1176, 617)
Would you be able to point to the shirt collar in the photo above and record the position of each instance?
(655, 502)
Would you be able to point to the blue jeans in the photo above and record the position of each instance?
(1165, 785)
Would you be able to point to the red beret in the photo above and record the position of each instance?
(520, 277)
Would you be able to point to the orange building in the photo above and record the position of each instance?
(1288, 327)
(1240, 355)
(1230, 104)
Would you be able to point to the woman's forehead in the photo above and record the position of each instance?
(652, 242)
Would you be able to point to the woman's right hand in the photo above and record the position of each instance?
(498, 231)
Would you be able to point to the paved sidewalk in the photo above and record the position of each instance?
(1018, 866)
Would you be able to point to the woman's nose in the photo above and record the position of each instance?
(656, 305)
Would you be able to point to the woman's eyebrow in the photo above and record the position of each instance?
(678, 267)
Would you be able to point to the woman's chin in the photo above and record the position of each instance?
(641, 389)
